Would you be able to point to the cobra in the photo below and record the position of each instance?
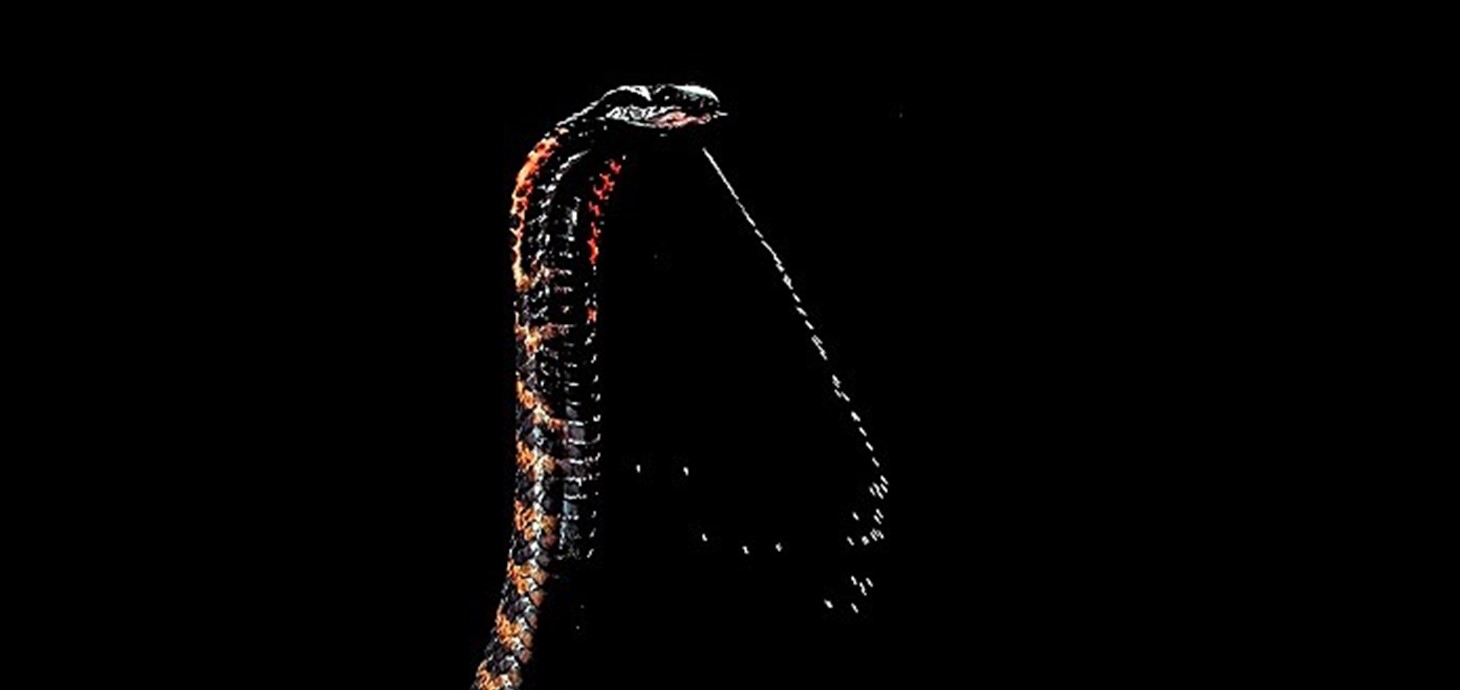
(557, 214)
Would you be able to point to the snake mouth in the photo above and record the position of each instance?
(676, 119)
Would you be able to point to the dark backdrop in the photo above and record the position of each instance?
(998, 244)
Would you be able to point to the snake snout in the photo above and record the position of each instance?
(685, 104)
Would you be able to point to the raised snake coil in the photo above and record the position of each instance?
(556, 220)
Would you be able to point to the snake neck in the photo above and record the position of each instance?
(556, 221)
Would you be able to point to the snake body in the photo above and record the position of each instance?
(557, 213)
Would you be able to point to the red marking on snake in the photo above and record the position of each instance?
(525, 183)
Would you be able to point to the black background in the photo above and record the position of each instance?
(1005, 245)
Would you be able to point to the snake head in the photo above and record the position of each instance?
(662, 107)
